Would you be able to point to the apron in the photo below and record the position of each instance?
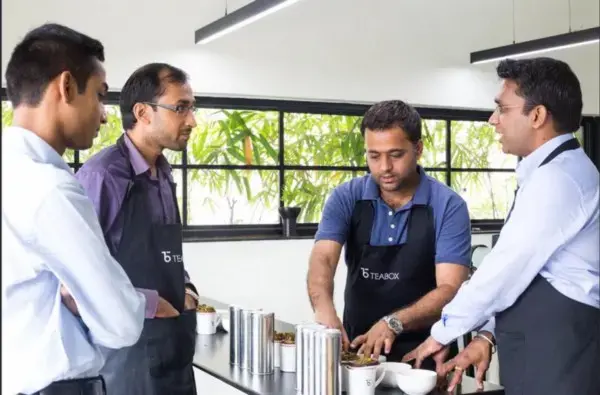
(384, 279)
(151, 255)
(549, 343)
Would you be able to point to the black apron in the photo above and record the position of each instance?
(151, 254)
(384, 279)
(549, 343)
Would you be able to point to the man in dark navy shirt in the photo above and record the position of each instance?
(407, 241)
(133, 192)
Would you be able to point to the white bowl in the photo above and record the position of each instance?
(391, 368)
(416, 381)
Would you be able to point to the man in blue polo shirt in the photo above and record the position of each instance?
(407, 241)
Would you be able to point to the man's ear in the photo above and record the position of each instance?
(140, 112)
(539, 115)
(67, 87)
(419, 149)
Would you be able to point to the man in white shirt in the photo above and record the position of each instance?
(63, 295)
(537, 291)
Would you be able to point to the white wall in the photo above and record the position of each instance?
(264, 274)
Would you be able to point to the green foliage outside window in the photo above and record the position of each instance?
(249, 139)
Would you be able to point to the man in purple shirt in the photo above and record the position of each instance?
(131, 186)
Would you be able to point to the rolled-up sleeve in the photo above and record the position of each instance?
(68, 233)
(538, 227)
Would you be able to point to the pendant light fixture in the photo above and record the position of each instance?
(243, 16)
(561, 41)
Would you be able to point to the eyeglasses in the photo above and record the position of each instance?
(501, 109)
(179, 108)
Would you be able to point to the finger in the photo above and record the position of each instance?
(419, 360)
(358, 341)
(377, 348)
(388, 345)
(448, 367)
(345, 340)
(456, 379)
(367, 348)
(480, 371)
(409, 356)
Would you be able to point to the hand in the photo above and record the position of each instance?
(329, 318)
(190, 303)
(165, 309)
(428, 348)
(68, 300)
(380, 335)
(478, 353)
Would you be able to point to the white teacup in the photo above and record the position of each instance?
(381, 359)
(363, 380)
(288, 358)
(207, 323)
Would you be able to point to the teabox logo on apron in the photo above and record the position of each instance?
(379, 276)
(168, 257)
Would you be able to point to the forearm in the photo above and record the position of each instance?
(426, 310)
(320, 285)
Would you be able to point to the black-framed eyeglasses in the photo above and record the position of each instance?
(180, 109)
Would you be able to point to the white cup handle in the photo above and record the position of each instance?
(218, 321)
(380, 369)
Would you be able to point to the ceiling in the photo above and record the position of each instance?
(369, 35)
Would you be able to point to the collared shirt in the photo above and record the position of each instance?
(51, 236)
(450, 212)
(553, 230)
(105, 178)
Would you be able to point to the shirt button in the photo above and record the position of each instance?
(390, 213)
(392, 226)
(390, 239)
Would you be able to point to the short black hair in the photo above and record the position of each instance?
(393, 113)
(548, 82)
(147, 84)
(43, 54)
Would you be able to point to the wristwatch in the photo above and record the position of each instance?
(394, 324)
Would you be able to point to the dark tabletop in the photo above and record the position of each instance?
(212, 357)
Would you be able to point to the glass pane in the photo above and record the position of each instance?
(323, 140)
(579, 135)
(228, 197)
(475, 146)
(7, 114)
(434, 143)
(235, 137)
(108, 135)
(178, 179)
(438, 175)
(69, 156)
(174, 157)
(489, 195)
(309, 189)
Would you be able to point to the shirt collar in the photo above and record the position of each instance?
(421, 196)
(532, 161)
(34, 144)
(139, 164)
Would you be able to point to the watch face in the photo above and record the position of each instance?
(395, 324)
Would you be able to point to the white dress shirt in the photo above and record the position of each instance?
(553, 231)
(51, 236)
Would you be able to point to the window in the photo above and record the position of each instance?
(247, 158)
(481, 173)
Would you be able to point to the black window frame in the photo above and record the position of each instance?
(198, 233)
